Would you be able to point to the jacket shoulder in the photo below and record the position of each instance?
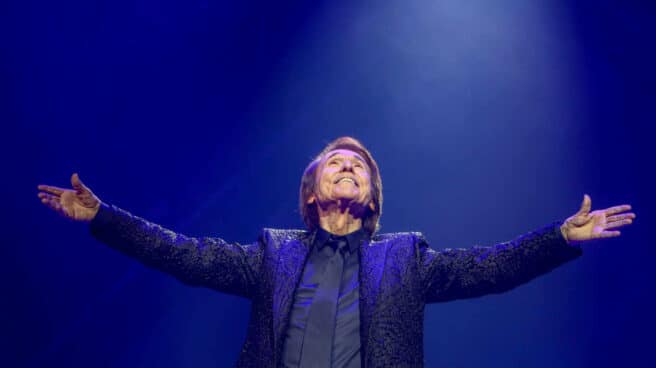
(406, 236)
(280, 236)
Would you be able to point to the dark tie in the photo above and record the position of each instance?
(320, 328)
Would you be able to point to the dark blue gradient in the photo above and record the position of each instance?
(488, 119)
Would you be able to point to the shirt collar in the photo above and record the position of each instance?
(353, 239)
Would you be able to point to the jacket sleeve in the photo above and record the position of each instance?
(212, 262)
(468, 273)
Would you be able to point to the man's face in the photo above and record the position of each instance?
(343, 176)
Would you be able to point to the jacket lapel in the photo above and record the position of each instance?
(373, 255)
(291, 260)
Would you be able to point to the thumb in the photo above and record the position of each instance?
(586, 205)
(77, 183)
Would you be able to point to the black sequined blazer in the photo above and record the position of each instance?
(399, 274)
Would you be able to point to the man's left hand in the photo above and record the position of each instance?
(585, 225)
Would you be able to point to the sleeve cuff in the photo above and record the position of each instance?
(575, 245)
(103, 217)
(559, 235)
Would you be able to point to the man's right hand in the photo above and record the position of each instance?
(79, 203)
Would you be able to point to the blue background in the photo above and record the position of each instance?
(488, 119)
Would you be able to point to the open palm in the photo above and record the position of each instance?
(586, 225)
(78, 204)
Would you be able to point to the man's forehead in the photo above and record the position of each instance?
(344, 152)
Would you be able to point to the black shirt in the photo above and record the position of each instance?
(346, 343)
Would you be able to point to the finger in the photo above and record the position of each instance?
(46, 195)
(608, 234)
(55, 204)
(50, 189)
(617, 209)
(630, 215)
(616, 224)
(50, 201)
(586, 205)
(77, 183)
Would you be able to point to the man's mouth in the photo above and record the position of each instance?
(346, 179)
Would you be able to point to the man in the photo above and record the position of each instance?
(338, 294)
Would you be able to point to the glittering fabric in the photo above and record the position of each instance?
(399, 274)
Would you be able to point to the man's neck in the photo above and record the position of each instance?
(338, 222)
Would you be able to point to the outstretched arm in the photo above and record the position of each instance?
(229, 267)
(467, 273)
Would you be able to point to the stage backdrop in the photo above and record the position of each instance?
(488, 119)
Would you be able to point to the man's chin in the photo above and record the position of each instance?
(345, 196)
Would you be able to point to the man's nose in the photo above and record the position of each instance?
(347, 165)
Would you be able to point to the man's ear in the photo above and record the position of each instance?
(372, 206)
(311, 199)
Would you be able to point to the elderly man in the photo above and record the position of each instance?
(337, 294)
